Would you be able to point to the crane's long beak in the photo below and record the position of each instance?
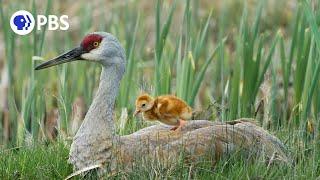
(73, 55)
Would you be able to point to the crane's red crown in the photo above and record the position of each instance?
(91, 41)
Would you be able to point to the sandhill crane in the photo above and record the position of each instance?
(97, 144)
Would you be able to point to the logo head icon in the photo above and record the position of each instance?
(22, 22)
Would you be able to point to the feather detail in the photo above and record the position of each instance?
(167, 109)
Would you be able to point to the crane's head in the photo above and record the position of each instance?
(99, 47)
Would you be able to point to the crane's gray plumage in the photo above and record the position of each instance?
(99, 118)
(96, 144)
(97, 128)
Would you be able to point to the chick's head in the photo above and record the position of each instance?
(143, 103)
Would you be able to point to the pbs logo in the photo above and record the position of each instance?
(22, 22)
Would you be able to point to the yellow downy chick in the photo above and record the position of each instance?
(167, 109)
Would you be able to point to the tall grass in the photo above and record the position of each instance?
(190, 57)
(9, 42)
(188, 60)
(251, 66)
(199, 54)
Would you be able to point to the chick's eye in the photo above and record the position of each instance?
(96, 44)
(143, 105)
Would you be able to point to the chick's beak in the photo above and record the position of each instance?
(73, 55)
(136, 112)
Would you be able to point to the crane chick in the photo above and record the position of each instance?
(167, 109)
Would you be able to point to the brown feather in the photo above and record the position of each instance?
(167, 109)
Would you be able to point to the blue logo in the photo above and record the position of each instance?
(22, 22)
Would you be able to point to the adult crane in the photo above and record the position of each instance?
(97, 144)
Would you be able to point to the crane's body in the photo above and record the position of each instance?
(97, 145)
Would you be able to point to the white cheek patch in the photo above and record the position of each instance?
(93, 55)
(90, 56)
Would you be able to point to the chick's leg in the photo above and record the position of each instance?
(181, 123)
(174, 128)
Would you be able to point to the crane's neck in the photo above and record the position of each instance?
(95, 136)
(100, 113)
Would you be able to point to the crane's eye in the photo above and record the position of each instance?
(143, 105)
(96, 44)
